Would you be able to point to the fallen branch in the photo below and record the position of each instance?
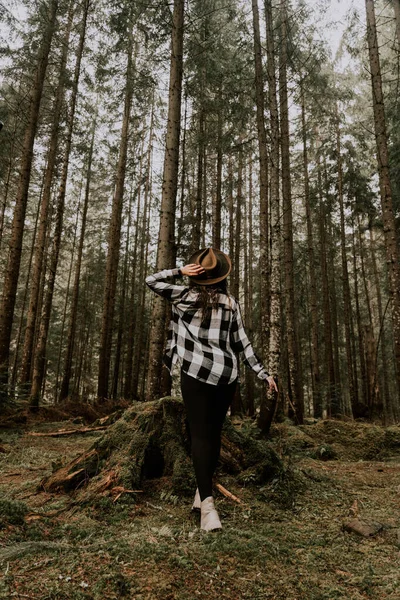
(67, 431)
(228, 494)
(119, 490)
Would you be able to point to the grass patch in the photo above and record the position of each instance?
(285, 542)
(12, 512)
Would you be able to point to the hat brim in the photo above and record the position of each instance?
(226, 267)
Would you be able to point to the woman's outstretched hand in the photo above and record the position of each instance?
(272, 385)
(192, 270)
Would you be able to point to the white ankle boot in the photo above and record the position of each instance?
(209, 516)
(197, 501)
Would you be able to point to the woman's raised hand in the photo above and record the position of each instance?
(192, 270)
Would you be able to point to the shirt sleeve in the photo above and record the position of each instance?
(241, 345)
(158, 284)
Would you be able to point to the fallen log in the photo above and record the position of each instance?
(72, 475)
(61, 432)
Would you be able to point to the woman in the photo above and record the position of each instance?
(205, 336)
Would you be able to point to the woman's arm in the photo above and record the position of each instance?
(158, 284)
(241, 345)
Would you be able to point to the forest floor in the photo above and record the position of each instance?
(287, 541)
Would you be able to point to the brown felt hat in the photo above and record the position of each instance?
(216, 264)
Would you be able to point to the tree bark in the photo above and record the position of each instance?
(315, 350)
(372, 380)
(166, 239)
(64, 391)
(389, 406)
(365, 398)
(268, 403)
(144, 245)
(132, 304)
(40, 351)
(27, 282)
(345, 282)
(26, 365)
(296, 383)
(237, 407)
(196, 235)
(11, 158)
(121, 312)
(114, 234)
(248, 286)
(330, 397)
(263, 161)
(396, 7)
(179, 237)
(66, 301)
(389, 225)
(17, 229)
(216, 221)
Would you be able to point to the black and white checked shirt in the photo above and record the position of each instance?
(205, 351)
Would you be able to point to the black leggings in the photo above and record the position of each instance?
(206, 408)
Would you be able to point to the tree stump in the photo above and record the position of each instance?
(151, 440)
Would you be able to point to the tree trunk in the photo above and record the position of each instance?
(315, 350)
(26, 365)
(231, 220)
(204, 201)
(389, 225)
(64, 391)
(345, 282)
(268, 404)
(132, 304)
(296, 383)
(238, 228)
(237, 408)
(17, 229)
(40, 351)
(11, 158)
(372, 380)
(27, 282)
(121, 313)
(144, 245)
(179, 236)
(196, 236)
(114, 235)
(364, 367)
(263, 160)
(166, 239)
(248, 288)
(396, 7)
(389, 405)
(66, 301)
(216, 221)
(330, 399)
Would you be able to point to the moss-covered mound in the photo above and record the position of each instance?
(151, 440)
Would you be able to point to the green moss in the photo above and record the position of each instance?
(183, 477)
(284, 489)
(324, 452)
(12, 512)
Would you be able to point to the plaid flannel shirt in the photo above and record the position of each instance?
(205, 351)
